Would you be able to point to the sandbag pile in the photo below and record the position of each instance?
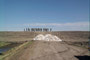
(47, 37)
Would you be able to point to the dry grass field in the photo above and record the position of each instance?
(16, 36)
(64, 35)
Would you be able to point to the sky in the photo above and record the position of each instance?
(60, 15)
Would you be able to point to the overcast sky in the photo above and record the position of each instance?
(63, 15)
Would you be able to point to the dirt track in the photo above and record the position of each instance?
(43, 50)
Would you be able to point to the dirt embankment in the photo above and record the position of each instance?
(43, 50)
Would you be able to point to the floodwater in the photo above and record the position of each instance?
(8, 47)
(4, 50)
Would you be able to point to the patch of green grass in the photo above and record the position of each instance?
(3, 44)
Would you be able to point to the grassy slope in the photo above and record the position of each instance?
(3, 44)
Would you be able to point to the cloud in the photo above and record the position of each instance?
(75, 26)
(58, 24)
(81, 26)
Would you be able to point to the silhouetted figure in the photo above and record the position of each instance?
(24, 29)
(50, 29)
(28, 29)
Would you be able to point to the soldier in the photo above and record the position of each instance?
(50, 29)
(24, 29)
(28, 29)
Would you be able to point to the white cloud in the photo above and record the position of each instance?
(59, 24)
(81, 26)
(76, 26)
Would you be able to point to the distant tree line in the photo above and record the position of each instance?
(38, 29)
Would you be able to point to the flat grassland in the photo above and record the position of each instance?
(79, 38)
(26, 36)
